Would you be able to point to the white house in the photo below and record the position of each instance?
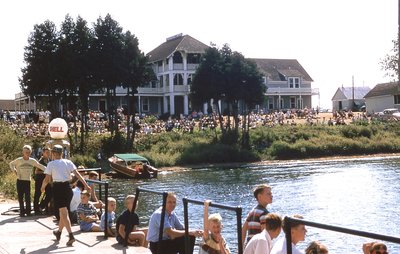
(174, 62)
(383, 96)
(349, 97)
(288, 84)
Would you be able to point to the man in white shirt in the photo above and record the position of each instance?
(298, 234)
(262, 243)
(60, 171)
(23, 168)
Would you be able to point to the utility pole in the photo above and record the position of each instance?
(352, 92)
(398, 45)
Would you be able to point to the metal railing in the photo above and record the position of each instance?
(164, 195)
(288, 225)
(100, 183)
(236, 209)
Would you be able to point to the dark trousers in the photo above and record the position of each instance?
(36, 198)
(172, 246)
(24, 191)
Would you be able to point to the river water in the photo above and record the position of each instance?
(361, 194)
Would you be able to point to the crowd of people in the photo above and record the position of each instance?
(36, 123)
(74, 201)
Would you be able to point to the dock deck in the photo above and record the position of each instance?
(34, 235)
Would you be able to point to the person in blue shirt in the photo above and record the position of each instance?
(112, 205)
(174, 232)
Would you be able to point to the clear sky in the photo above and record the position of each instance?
(332, 39)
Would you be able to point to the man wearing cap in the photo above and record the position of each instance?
(60, 171)
(23, 168)
(39, 177)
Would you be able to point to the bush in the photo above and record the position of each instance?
(84, 160)
(114, 144)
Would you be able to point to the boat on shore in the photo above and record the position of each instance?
(133, 166)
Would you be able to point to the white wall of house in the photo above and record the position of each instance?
(379, 103)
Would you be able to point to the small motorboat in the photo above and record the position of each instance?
(132, 165)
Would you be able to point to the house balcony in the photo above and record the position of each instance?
(181, 88)
(150, 90)
(192, 67)
(289, 91)
(162, 90)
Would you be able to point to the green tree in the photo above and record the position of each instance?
(136, 72)
(228, 76)
(208, 81)
(390, 63)
(39, 76)
(108, 64)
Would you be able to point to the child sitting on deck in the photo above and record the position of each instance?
(127, 223)
(112, 204)
(214, 242)
(87, 214)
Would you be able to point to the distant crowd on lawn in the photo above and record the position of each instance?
(36, 123)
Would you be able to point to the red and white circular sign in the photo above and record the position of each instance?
(58, 128)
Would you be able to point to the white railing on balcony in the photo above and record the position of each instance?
(288, 91)
(192, 66)
(315, 91)
(181, 88)
(150, 90)
(178, 66)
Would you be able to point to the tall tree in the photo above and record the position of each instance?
(108, 53)
(39, 76)
(136, 72)
(208, 81)
(227, 75)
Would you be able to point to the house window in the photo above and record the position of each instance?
(177, 57)
(178, 80)
(145, 105)
(167, 80)
(397, 99)
(294, 82)
(300, 103)
(161, 79)
(292, 102)
(264, 79)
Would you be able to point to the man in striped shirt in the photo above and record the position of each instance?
(252, 225)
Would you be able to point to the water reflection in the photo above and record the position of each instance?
(359, 194)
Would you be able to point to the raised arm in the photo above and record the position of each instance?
(205, 220)
(38, 165)
(244, 231)
(76, 172)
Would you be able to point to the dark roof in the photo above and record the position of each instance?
(280, 69)
(359, 92)
(184, 43)
(391, 88)
(7, 105)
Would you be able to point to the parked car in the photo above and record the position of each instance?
(390, 114)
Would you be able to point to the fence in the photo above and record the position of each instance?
(289, 221)
(164, 195)
(100, 183)
(237, 209)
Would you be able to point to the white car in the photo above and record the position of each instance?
(389, 114)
